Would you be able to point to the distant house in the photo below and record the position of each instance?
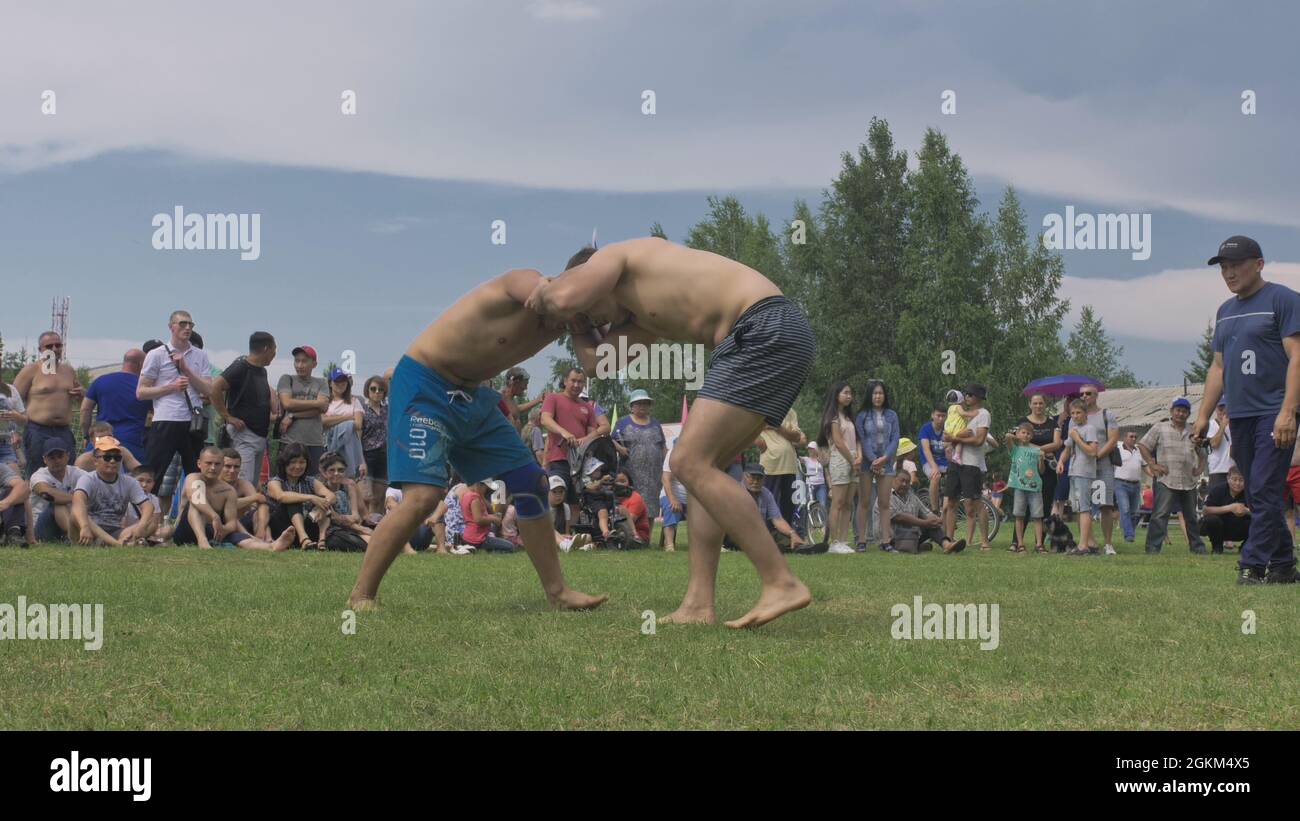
(1137, 409)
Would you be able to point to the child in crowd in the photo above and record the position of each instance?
(1026, 483)
(149, 532)
(957, 420)
(1082, 449)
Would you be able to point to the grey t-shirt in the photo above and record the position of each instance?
(107, 502)
(309, 430)
(1081, 464)
(71, 475)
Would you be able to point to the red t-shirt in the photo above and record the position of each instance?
(578, 418)
(640, 516)
(504, 406)
(473, 533)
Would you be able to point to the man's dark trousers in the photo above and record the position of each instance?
(1265, 466)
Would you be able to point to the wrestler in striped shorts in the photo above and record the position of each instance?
(762, 363)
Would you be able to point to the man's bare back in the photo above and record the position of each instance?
(48, 396)
(486, 331)
(670, 291)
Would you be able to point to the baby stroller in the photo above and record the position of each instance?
(597, 464)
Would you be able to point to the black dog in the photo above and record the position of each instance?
(1062, 538)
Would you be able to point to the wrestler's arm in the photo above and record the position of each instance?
(585, 344)
(577, 289)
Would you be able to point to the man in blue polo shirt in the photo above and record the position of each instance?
(111, 399)
(1257, 368)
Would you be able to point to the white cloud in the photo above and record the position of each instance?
(563, 10)
(1169, 306)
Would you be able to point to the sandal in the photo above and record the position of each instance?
(1040, 549)
(1014, 548)
(306, 544)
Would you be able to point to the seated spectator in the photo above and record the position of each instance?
(111, 398)
(479, 520)
(209, 510)
(374, 440)
(914, 524)
(51, 499)
(101, 498)
(13, 505)
(343, 421)
(598, 494)
(147, 532)
(298, 500)
(449, 522)
(672, 504)
(787, 539)
(86, 461)
(12, 418)
(634, 505)
(252, 506)
(423, 536)
(344, 530)
(1227, 518)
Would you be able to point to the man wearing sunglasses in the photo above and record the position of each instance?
(50, 390)
(101, 499)
(175, 377)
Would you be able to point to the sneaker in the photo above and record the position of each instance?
(888, 547)
(841, 548)
(1287, 576)
(956, 547)
(463, 550)
(860, 547)
(1250, 575)
(1109, 550)
(15, 535)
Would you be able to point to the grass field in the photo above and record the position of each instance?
(236, 639)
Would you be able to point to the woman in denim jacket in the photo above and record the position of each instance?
(877, 427)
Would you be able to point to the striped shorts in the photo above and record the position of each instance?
(762, 363)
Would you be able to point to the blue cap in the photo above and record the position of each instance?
(337, 374)
(1181, 402)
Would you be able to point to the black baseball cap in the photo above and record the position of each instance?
(1237, 248)
(755, 469)
(53, 446)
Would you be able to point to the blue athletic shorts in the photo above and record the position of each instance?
(432, 422)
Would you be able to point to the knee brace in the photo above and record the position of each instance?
(528, 486)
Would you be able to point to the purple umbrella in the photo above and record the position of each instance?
(1064, 385)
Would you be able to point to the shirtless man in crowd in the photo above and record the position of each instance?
(650, 289)
(50, 390)
(209, 510)
(442, 412)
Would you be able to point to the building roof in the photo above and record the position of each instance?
(1143, 407)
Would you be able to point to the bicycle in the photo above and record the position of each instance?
(810, 514)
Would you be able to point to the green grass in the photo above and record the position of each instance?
(236, 639)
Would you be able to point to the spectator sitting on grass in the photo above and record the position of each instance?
(634, 504)
(298, 500)
(253, 507)
(13, 505)
(448, 521)
(423, 536)
(510, 525)
(101, 498)
(563, 539)
(52, 487)
(209, 510)
(479, 520)
(915, 525)
(785, 536)
(344, 530)
(147, 532)
(86, 461)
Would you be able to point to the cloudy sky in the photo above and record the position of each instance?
(530, 111)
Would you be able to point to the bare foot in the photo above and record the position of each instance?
(574, 600)
(690, 615)
(363, 604)
(284, 542)
(774, 603)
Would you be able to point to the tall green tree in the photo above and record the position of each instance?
(1200, 364)
(1091, 352)
(856, 295)
(946, 330)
